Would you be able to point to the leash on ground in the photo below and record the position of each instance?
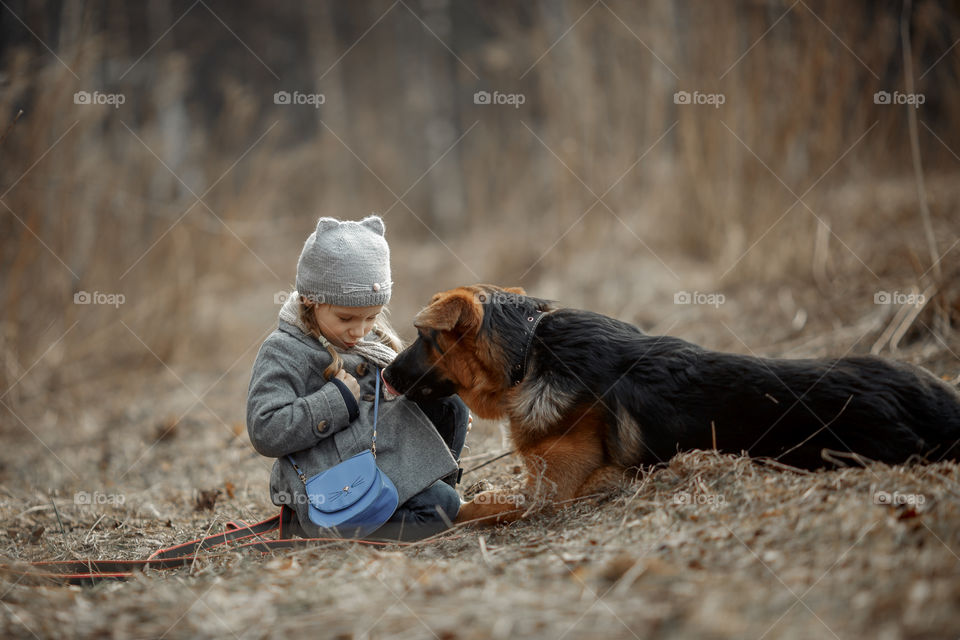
(491, 460)
(237, 536)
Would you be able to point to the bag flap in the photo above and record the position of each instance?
(342, 486)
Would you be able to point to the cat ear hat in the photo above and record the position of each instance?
(346, 263)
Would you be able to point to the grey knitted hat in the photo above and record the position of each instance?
(346, 263)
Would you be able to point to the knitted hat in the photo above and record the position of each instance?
(346, 263)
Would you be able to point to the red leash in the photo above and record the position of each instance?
(245, 536)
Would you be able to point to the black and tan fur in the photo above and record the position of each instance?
(597, 396)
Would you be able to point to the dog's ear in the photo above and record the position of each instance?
(520, 291)
(450, 312)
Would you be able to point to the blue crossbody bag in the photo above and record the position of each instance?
(353, 498)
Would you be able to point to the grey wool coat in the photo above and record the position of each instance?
(292, 409)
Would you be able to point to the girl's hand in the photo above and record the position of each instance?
(351, 383)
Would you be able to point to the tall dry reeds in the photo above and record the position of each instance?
(96, 229)
(599, 157)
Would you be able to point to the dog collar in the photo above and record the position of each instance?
(519, 370)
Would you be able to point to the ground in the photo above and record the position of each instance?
(706, 546)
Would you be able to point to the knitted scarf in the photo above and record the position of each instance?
(371, 350)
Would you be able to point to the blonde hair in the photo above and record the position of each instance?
(381, 329)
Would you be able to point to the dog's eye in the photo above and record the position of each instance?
(426, 391)
(430, 342)
(482, 298)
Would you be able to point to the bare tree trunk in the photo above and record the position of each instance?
(324, 50)
(447, 198)
(425, 73)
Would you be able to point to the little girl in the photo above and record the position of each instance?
(312, 390)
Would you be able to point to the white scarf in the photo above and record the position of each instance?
(372, 350)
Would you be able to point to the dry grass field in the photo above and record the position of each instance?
(706, 546)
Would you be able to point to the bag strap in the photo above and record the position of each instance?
(376, 410)
(373, 443)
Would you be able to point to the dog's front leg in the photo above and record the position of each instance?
(500, 506)
(558, 468)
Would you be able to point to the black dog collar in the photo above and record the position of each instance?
(519, 370)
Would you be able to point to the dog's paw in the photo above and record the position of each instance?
(492, 507)
(476, 488)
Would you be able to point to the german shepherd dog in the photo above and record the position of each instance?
(588, 397)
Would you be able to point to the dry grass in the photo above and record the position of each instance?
(95, 194)
(706, 546)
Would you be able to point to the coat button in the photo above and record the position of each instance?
(322, 426)
(362, 369)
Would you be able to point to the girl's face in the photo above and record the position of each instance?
(345, 326)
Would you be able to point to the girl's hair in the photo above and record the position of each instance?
(381, 329)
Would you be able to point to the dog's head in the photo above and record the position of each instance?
(463, 345)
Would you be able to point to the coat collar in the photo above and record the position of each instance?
(297, 333)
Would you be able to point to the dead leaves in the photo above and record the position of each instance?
(206, 499)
